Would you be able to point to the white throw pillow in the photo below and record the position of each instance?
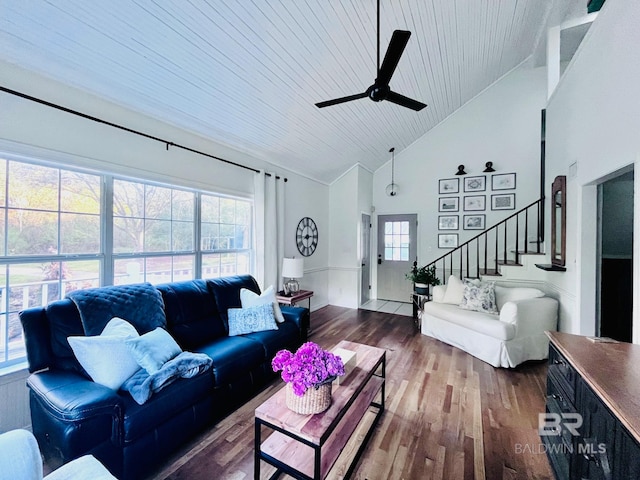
(455, 290)
(106, 357)
(513, 294)
(252, 299)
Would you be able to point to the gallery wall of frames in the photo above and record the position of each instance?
(464, 200)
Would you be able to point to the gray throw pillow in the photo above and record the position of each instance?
(152, 350)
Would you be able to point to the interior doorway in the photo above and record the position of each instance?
(397, 250)
(365, 259)
(615, 257)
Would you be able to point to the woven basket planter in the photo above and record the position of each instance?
(313, 401)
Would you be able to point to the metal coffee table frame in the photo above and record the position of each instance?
(283, 467)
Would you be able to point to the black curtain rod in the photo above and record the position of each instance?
(126, 129)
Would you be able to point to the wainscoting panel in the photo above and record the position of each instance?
(14, 406)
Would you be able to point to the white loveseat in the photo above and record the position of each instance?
(504, 339)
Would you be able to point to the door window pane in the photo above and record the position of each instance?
(396, 241)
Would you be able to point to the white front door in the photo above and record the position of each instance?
(397, 250)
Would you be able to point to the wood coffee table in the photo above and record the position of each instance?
(307, 446)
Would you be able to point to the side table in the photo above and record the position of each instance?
(294, 298)
(418, 302)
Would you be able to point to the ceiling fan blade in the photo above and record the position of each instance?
(397, 44)
(336, 101)
(405, 101)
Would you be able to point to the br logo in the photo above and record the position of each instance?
(551, 424)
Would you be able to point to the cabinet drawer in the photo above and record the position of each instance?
(597, 436)
(563, 373)
(559, 456)
(557, 402)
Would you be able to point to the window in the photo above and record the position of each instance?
(226, 236)
(396, 241)
(53, 222)
(50, 238)
(153, 233)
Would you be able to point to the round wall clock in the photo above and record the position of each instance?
(307, 236)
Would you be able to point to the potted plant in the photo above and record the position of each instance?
(422, 277)
(308, 374)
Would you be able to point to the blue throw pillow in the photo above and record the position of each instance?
(252, 319)
(152, 350)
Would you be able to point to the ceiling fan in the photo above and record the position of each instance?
(380, 89)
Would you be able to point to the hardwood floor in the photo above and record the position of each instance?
(449, 415)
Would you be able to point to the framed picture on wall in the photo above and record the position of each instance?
(448, 204)
(449, 185)
(448, 222)
(475, 184)
(474, 222)
(504, 201)
(503, 181)
(447, 240)
(474, 203)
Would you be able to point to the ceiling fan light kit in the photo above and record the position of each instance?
(380, 90)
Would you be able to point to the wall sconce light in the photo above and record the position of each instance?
(461, 170)
(489, 168)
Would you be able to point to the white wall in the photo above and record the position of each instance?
(592, 131)
(501, 125)
(350, 197)
(306, 198)
(365, 199)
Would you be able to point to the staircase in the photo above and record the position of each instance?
(501, 244)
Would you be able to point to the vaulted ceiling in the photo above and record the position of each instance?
(247, 73)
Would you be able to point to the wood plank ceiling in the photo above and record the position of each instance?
(247, 73)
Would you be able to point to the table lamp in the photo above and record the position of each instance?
(292, 268)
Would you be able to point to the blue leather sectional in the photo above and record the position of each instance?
(72, 416)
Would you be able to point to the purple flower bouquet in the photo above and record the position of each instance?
(310, 366)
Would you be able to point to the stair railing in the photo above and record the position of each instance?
(501, 244)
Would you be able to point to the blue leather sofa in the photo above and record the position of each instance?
(73, 416)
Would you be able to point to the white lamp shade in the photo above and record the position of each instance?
(292, 267)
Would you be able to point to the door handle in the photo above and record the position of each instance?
(379, 259)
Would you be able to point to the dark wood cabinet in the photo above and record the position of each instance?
(626, 456)
(592, 403)
(596, 443)
(561, 380)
